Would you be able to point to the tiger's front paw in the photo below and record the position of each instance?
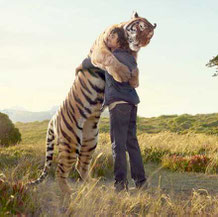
(134, 81)
(120, 73)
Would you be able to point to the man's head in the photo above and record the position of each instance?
(117, 39)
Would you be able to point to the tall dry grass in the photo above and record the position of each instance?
(18, 164)
(100, 200)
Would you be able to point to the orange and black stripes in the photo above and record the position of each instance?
(75, 126)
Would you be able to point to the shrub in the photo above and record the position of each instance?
(9, 135)
(153, 154)
(175, 163)
(195, 163)
(198, 163)
(15, 199)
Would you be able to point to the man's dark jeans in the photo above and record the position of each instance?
(123, 138)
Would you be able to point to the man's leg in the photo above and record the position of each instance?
(136, 164)
(119, 122)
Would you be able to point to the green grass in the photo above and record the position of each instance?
(170, 193)
(201, 123)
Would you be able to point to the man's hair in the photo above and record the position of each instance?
(121, 37)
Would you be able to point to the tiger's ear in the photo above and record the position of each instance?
(134, 15)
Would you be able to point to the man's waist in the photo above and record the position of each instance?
(113, 104)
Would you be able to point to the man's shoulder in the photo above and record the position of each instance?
(124, 56)
(122, 51)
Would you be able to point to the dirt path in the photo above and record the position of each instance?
(179, 182)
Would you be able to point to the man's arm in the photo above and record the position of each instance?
(78, 68)
(86, 64)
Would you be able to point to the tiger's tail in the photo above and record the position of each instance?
(50, 140)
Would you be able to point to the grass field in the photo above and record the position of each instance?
(181, 168)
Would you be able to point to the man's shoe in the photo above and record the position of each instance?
(143, 185)
(121, 186)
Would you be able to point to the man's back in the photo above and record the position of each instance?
(126, 58)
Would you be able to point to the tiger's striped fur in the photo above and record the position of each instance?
(75, 125)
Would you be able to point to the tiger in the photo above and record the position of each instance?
(74, 128)
(138, 33)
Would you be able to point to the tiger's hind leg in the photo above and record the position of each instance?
(89, 143)
(66, 157)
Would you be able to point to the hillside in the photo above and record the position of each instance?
(185, 123)
(182, 124)
(200, 123)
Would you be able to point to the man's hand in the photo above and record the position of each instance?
(78, 68)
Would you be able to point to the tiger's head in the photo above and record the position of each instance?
(138, 32)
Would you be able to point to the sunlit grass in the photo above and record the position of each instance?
(169, 193)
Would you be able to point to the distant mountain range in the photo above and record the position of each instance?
(19, 114)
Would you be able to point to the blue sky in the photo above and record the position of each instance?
(41, 43)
